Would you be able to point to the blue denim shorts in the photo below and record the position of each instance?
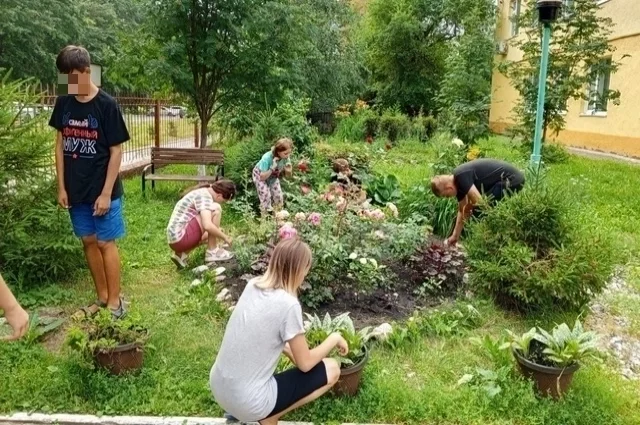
(107, 228)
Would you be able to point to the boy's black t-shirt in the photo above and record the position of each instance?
(484, 174)
(88, 131)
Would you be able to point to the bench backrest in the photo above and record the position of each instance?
(165, 156)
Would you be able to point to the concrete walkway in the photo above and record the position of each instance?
(65, 419)
(603, 155)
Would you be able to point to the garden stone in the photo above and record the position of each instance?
(247, 277)
(223, 295)
(231, 308)
(200, 270)
(382, 332)
(196, 282)
(220, 278)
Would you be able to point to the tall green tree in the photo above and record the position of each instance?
(465, 94)
(407, 46)
(220, 53)
(580, 54)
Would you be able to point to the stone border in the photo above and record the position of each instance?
(68, 419)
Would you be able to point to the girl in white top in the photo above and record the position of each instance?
(266, 323)
(196, 219)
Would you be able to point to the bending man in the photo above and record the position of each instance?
(469, 181)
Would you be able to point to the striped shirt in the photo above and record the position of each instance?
(186, 210)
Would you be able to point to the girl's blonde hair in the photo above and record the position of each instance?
(282, 145)
(289, 264)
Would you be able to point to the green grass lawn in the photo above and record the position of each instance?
(416, 384)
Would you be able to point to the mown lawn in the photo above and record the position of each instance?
(416, 384)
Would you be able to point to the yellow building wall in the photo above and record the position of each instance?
(619, 130)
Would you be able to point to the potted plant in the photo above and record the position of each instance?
(352, 365)
(116, 345)
(551, 359)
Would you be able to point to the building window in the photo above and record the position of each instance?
(567, 8)
(514, 14)
(599, 89)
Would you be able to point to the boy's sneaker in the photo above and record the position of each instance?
(217, 254)
(179, 260)
(230, 418)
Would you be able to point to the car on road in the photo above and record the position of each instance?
(169, 111)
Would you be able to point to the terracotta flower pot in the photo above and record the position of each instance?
(550, 381)
(123, 358)
(349, 382)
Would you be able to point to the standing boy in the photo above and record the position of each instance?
(470, 181)
(89, 140)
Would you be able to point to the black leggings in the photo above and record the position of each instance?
(294, 385)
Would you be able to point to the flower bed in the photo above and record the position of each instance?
(365, 259)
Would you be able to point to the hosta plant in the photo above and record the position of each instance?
(318, 329)
(562, 347)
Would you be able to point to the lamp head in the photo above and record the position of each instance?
(548, 10)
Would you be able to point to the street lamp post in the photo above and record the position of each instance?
(547, 13)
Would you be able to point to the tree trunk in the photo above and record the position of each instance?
(204, 124)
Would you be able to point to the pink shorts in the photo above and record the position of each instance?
(191, 238)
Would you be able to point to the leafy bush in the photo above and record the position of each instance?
(423, 127)
(242, 157)
(358, 155)
(394, 125)
(37, 244)
(357, 127)
(384, 189)
(450, 152)
(532, 250)
(552, 153)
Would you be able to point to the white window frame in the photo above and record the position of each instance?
(601, 83)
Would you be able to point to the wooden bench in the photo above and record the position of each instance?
(168, 156)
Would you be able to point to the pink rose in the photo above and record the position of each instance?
(315, 218)
(287, 231)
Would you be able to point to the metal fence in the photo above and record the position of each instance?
(150, 121)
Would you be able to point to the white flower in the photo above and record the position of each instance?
(282, 215)
(379, 234)
(363, 261)
(353, 256)
(374, 262)
(301, 216)
(459, 143)
(393, 209)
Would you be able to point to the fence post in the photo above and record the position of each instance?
(196, 133)
(157, 124)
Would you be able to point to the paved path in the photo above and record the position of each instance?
(603, 155)
(65, 419)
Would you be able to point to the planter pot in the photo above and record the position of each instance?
(123, 358)
(349, 382)
(550, 381)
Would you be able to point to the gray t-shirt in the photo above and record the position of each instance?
(242, 376)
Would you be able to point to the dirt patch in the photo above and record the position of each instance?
(430, 277)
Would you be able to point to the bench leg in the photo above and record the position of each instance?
(144, 185)
(153, 182)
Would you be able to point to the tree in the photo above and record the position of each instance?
(220, 53)
(578, 52)
(465, 95)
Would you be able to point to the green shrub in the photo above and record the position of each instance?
(533, 250)
(357, 155)
(394, 125)
(350, 129)
(370, 121)
(552, 153)
(37, 244)
(423, 128)
(241, 158)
